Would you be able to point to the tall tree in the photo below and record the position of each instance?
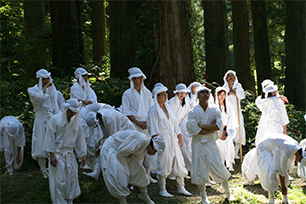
(261, 42)
(98, 31)
(241, 41)
(34, 18)
(67, 36)
(295, 84)
(216, 43)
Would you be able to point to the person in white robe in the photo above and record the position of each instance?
(193, 93)
(65, 136)
(274, 118)
(81, 89)
(103, 123)
(121, 157)
(136, 102)
(163, 123)
(180, 105)
(248, 167)
(301, 170)
(203, 124)
(276, 155)
(47, 101)
(12, 142)
(235, 94)
(230, 125)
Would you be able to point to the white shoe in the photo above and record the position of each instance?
(11, 173)
(165, 194)
(45, 174)
(183, 191)
(152, 180)
(204, 198)
(285, 200)
(290, 178)
(145, 197)
(92, 174)
(230, 197)
(85, 167)
(187, 177)
(172, 178)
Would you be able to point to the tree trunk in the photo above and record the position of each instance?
(173, 44)
(67, 36)
(216, 43)
(261, 42)
(295, 84)
(34, 18)
(241, 41)
(124, 36)
(98, 31)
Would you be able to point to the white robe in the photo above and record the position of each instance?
(9, 144)
(61, 139)
(76, 91)
(181, 112)
(119, 170)
(235, 102)
(248, 166)
(44, 110)
(273, 119)
(275, 154)
(226, 146)
(170, 162)
(301, 171)
(206, 158)
(137, 105)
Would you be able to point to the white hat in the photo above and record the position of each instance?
(135, 72)
(181, 88)
(91, 119)
(220, 88)
(203, 88)
(158, 144)
(42, 73)
(11, 128)
(270, 89)
(158, 88)
(266, 82)
(73, 105)
(196, 84)
(80, 72)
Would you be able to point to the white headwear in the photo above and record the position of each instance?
(196, 84)
(11, 128)
(270, 89)
(158, 144)
(266, 82)
(75, 106)
(72, 104)
(203, 88)
(181, 88)
(230, 72)
(218, 89)
(91, 119)
(135, 72)
(158, 88)
(80, 72)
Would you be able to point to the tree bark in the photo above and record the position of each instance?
(34, 18)
(241, 41)
(295, 84)
(261, 42)
(67, 36)
(98, 31)
(216, 43)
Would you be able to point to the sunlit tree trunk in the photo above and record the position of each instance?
(241, 41)
(216, 43)
(34, 18)
(295, 81)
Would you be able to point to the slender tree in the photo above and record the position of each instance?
(261, 42)
(295, 83)
(67, 36)
(98, 31)
(216, 43)
(241, 41)
(34, 18)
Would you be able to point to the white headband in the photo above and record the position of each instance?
(181, 88)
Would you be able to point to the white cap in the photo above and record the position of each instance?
(73, 105)
(158, 88)
(158, 144)
(11, 128)
(91, 119)
(42, 73)
(203, 88)
(270, 89)
(80, 72)
(181, 88)
(266, 82)
(135, 72)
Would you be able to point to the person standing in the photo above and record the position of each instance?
(163, 123)
(64, 138)
(235, 94)
(81, 89)
(203, 124)
(47, 101)
(12, 141)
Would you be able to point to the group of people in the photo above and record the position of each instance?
(192, 132)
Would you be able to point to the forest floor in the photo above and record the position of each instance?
(28, 186)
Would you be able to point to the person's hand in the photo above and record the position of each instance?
(18, 159)
(47, 85)
(53, 160)
(3, 162)
(97, 152)
(232, 92)
(180, 140)
(130, 155)
(224, 135)
(143, 125)
(193, 89)
(83, 161)
(284, 99)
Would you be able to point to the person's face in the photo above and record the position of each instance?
(221, 96)
(45, 81)
(230, 78)
(203, 96)
(162, 97)
(85, 77)
(137, 81)
(150, 150)
(298, 157)
(181, 95)
(70, 114)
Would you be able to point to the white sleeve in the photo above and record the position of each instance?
(152, 122)
(192, 124)
(49, 143)
(80, 147)
(240, 92)
(126, 107)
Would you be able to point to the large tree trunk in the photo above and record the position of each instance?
(295, 83)
(216, 43)
(261, 42)
(34, 17)
(173, 44)
(98, 31)
(124, 36)
(241, 41)
(67, 36)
